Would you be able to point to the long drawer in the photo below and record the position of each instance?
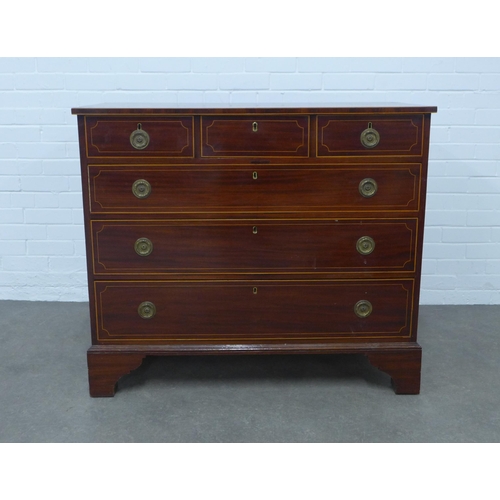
(247, 312)
(143, 189)
(132, 247)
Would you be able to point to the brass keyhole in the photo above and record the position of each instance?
(254, 290)
(254, 230)
(255, 126)
(254, 176)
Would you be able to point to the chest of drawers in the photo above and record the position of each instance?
(254, 231)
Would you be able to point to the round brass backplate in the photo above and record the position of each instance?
(143, 247)
(368, 187)
(139, 139)
(370, 137)
(141, 188)
(365, 245)
(363, 308)
(146, 310)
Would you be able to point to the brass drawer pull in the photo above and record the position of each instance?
(368, 187)
(255, 126)
(363, 309)
(365, 245)
(141, 188)
(139, 138)
(370, 137)
(143, 247)
(146, 310)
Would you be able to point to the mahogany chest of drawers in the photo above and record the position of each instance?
(254, 231)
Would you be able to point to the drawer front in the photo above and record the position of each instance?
(172, 137)
(146, 247)
(224, 136)
(370, 135)
(253, 311)
(185, 190)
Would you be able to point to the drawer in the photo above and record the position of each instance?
(147, 247)
(186, 190)
(392, 135)
(171, 137)
(223, 136)
(247, 312)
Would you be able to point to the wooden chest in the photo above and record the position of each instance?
(254, 231)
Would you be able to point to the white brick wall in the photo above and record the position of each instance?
(41, 231)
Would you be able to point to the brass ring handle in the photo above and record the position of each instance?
(370, 137)
(365, 245)
(363, 308)
(139, 138)
(143, 247)
(141, 188)
(368, 187)
(146, 310)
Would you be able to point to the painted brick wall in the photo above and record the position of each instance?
(41, 229)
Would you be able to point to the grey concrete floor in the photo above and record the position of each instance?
(331, 399)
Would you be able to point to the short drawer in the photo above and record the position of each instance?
(393, 135)
(224, 136)
(249, 311)
(112, 136)
(147, 247)
(261, 189)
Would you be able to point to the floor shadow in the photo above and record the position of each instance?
(255, 368)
